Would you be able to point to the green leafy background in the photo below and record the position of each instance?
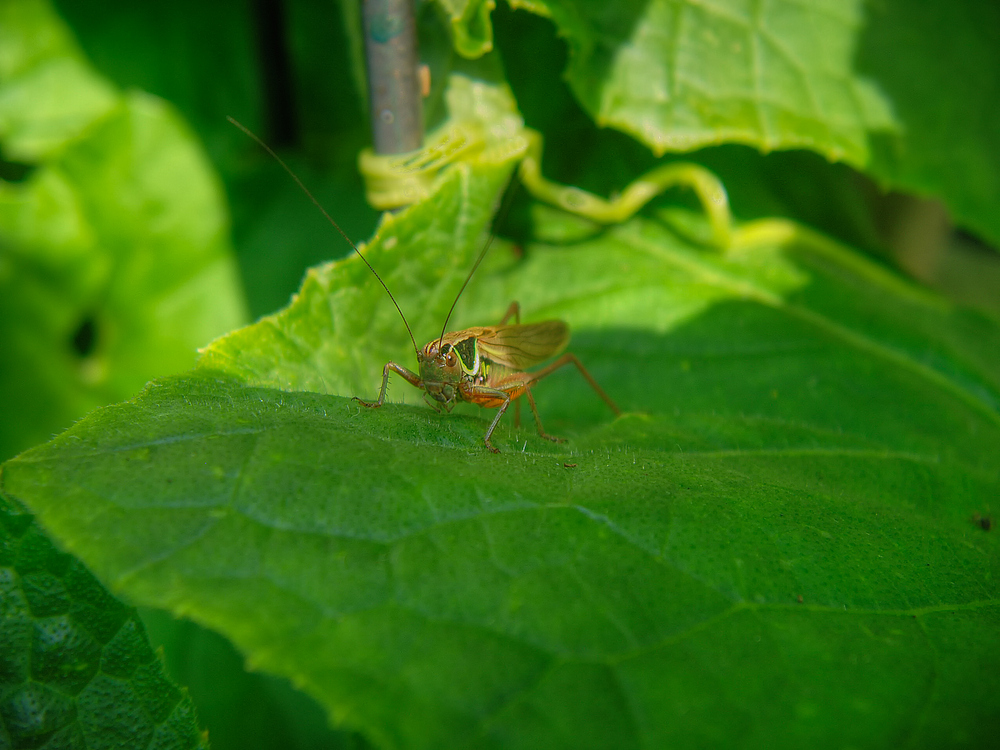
(784, 541)
(114, 251)
(76, 666)
(903, 93)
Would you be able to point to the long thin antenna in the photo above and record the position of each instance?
(501, 216)
(329, 218)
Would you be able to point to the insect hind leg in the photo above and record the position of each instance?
(538, 419)
(565, 359)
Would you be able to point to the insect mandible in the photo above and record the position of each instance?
(482, 365)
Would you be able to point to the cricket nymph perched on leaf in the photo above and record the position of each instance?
(483, 365)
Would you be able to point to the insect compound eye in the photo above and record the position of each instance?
(450, 358)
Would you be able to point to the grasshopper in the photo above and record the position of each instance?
(482, 365)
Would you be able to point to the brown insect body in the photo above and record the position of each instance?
(485, 365)
(488, 356)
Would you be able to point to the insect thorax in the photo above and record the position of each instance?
(468, 354)
(442, 370)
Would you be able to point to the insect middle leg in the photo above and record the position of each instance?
(514, 311)
(515, 386)
(483, 392)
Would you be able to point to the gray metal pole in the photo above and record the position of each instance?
(393, 85)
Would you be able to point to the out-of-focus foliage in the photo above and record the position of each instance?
(115, 263)
(787, 540)
(76, 668)
(905, 93)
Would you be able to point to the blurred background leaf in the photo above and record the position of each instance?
(286, 71)
(290, 70)
(905, 95)
(115, 260)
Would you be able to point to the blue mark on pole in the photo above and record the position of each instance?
(385, 26)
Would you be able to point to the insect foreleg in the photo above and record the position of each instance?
(410, 377)
(564, 360)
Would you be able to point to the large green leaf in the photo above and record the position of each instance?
(681, 75)
(774, 546)
(906, 94)
(114, 256)
(798, 184)
(76, 668)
